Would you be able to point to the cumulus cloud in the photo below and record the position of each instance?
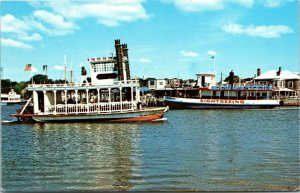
(144, 61)
(263, 31)
(189, 54)
(57, 21)
(57, 67)
(205, 5)
(213, 5)
(12, 25)
(211, 52)
(274, 3)
(33, 69)
(14, 43)
(106, 12)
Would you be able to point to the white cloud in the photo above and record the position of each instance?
(106, 12)
(213, 5)
(144, 61)
(263, 31)
(33, 69)
(14, 43)
(274, 3)
(57, 67)
(57, 21)
(33, 37)
(211, 52)
(189, 54)
(206, 5)
(11, 24)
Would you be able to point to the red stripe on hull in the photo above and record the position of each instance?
(140, 119)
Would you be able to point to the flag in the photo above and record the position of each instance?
(213, 57)
(28, 67)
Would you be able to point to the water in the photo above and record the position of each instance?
(194, 150)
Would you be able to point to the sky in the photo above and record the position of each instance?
(166, 38)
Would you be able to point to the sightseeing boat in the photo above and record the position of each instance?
(109, 96)
(225, 96)
(11, 98)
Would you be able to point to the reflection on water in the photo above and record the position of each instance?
(57, 157)
(193, 151)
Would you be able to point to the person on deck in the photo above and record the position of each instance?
(83, 76)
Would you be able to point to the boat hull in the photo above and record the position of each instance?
(133, 116)
(189, 103)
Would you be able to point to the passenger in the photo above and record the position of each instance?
(83, 76)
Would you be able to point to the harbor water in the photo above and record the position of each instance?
(194, 150)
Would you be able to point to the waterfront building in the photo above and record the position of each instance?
(286, 84)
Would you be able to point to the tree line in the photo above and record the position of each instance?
(7, 84)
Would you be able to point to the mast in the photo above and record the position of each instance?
(215, 64)
(65, 69)
(71, 74)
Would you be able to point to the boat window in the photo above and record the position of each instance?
(106, 76)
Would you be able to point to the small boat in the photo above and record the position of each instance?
(226, 96)
(109, 96)
(11, 98)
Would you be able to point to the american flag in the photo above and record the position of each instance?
(28, 67)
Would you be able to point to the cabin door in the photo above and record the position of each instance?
(239, 94)
(222, 94)
(41, 101)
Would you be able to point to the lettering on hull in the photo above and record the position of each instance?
(222, 101)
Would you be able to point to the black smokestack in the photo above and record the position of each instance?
(258, 71)
(119, 59)
(125, 53)
(278, 72)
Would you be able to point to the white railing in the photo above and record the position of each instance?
(90, 108)
(79, 85)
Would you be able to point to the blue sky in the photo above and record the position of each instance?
(166, 38)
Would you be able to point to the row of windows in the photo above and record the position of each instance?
(107, 67)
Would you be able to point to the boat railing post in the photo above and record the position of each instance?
(109, 99)
(76, 101)
(98, 102)
(54, 92)
(121, 101)
(35, 103)
(87, 101)
(66, 104)
(45, 108)
(131, 96)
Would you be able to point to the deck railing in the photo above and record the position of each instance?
(90, 108)
(243, 87)
(79, 85)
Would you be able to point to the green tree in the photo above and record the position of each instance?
(7, 85)
(20, 86)
(39, 79)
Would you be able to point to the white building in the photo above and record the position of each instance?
(285, 83)
(206, 80)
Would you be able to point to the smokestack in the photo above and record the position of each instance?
(278, 72)
(119, 59)
(125, 53)
(258, 72)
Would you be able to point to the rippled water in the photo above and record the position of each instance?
(194, 150)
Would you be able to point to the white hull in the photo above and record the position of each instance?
(191, 103)
(133, 116)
